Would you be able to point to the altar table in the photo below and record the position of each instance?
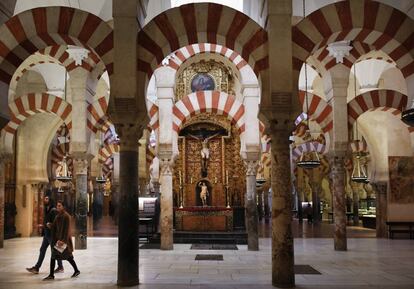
(204, 219)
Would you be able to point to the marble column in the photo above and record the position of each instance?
(266, 204)
(2, 195)
(355, 202)
(316, 192)
(283, 274)
(80, 165)
(381, 208)
(251, 207)
(336, 160)
(166, 216)
(336, 83)
(128, 239)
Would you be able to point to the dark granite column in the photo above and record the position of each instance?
(266, 203)
(80, 166)
(128, 239)
(355, 202)
(381, 208)
(336, 160)
(2, 184)
(283, 274)
(316, 192)
(251, 207)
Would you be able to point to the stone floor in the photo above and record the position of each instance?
(369, 263)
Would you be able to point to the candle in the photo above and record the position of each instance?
(227, 177)
(179, 175)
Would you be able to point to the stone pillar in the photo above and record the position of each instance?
(276, 107)
(336, 82)
(2, 189)
(283, 274)
(156, 186)
(266, 204)
(316, 192)
(80, 166)
(251, 207)
(381, 208)
(336, 160)
(128, 239)
(166, 216)
(355, 202)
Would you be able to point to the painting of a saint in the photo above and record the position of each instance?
(202, 81)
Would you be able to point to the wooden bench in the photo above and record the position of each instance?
(400, 227)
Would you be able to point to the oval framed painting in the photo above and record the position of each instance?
(202, 81)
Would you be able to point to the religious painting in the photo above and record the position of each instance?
(401, 180)
(201, 82)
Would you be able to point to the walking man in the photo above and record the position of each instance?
(62, 246)
(48, 218)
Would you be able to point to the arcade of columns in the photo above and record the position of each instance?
(278, 107)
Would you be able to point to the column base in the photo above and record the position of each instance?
(127, 283)
(283, 285)
(167, 248)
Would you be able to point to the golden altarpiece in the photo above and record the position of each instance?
(222, 172)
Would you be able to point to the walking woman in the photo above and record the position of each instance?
(62, 246)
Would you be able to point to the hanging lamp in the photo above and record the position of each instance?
(359, 174)
(65, 176)
(310, 159)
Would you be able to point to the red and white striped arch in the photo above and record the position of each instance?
(208, 101)
(34, 30)
(201, 23)
(97, 119)
(319, 110)
(185, 53)
(57, 54)
(388, 100)
(154, 122)
(308, 147)
(25, 106)
(107, 151)
(366, 21)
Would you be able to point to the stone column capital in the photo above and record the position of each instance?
(129, 135)
(166, 165)
(251, 167)
(80, 166)
(336, 160)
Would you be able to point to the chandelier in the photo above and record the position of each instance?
(407, 116)
(308, 159)
(64, 175)
(359, 174)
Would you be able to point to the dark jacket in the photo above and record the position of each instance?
(61, 231)
(49, 216)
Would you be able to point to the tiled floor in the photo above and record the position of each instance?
(369, 263)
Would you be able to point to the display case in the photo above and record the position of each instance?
(367, 212)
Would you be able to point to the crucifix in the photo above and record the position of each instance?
(205, 152)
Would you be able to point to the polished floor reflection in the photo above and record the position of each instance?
(369, 263)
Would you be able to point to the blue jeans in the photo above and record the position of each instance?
(45, 243)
